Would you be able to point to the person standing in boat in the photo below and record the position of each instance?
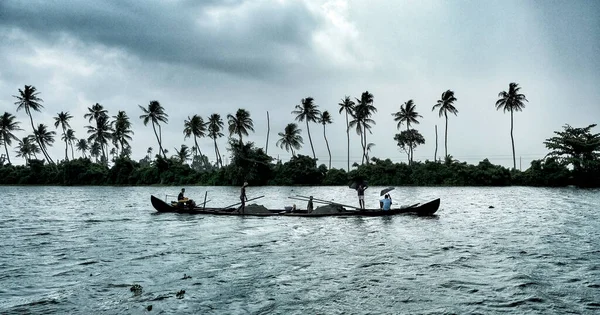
(243, 197)
(361, 195)
(309, 207)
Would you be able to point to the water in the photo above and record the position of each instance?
(78, 250)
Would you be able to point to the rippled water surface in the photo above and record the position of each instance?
(79, 250)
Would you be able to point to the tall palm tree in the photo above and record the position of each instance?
(197, 127)
(325, 119)
(122, 131)
(95, 111)
(28, 99)
(511, 101)
(62, 119)
(347, 105)
(183, 154)
(445, 105)
(8, 125)
(408, 115)
(101, 134)
(215, 125)
(240, 123)
(44, 136)
(290, 138)
(95, 150)
(156, 114)
(69, 137)
(363, 110)
(26, 148)
(82, 145)
(307, 110)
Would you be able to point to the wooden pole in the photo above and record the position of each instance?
(204, 203)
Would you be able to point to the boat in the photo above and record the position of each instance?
(428, 208)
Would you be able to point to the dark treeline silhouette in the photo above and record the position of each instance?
(105, 154)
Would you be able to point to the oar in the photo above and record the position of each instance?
(239, 203)
(331, 202)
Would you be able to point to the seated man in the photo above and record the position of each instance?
(386, 203)
(180, 197)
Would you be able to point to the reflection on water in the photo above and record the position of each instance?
(80, 249)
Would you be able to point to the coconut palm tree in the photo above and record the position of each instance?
(28, 99)
(69, 137)
(82, 145)
(325, 119)
(511, 101)
(45, 137)
(240, 123)
(26, 148)
(101, 134)
(445, 105)
(347, 105)
(290, 138)
(307, 110)
(122, 131)
(95, 111)
(408, 115)
(197, 127)
(215, 125)
(8, 125)
(95, 150)
(183, 154)
(62, 119)
(156, 114)
(363, 110)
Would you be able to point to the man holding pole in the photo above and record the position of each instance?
(243, 197)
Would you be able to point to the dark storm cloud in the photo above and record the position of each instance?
(244, 38)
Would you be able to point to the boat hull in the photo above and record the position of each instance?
(428, 208)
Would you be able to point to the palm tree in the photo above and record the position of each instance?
(408, 115)
(511, 101)
(95, 150)
(347, 105)
(155, 113)
(95, 111)
(82, 145)
(308, 111)
(122, 131)
(215, 125)
(197, 127)
(62, 119)
(446, 105)
(100, 134)
(325, 119)
(290, 138)
(45, 137)
(26, 148)
(183, 154)
(363, 110)
(8, 124)
(28, 99)
(369, 147)
(69, 137)
(240, 123)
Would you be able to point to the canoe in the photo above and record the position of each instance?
(428, 208)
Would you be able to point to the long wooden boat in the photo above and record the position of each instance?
(428, 208)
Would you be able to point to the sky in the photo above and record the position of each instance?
(204, 57)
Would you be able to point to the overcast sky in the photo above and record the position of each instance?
(204, 57)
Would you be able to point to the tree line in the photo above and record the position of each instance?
(108, 135)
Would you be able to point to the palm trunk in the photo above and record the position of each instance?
(310, 139)
(6, 148)
(72, 151)
(410, 156)
(362, 144)
(240, 135)
(365, 145)
(348, 135)
(160, 150)
(217, 152)
(512, 139)
(446, 136)
(197, 147)
(436, 145)
(66, 144)
(160, 141)
(327, 143)
(268, 131)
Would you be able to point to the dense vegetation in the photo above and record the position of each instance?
(574, 157)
